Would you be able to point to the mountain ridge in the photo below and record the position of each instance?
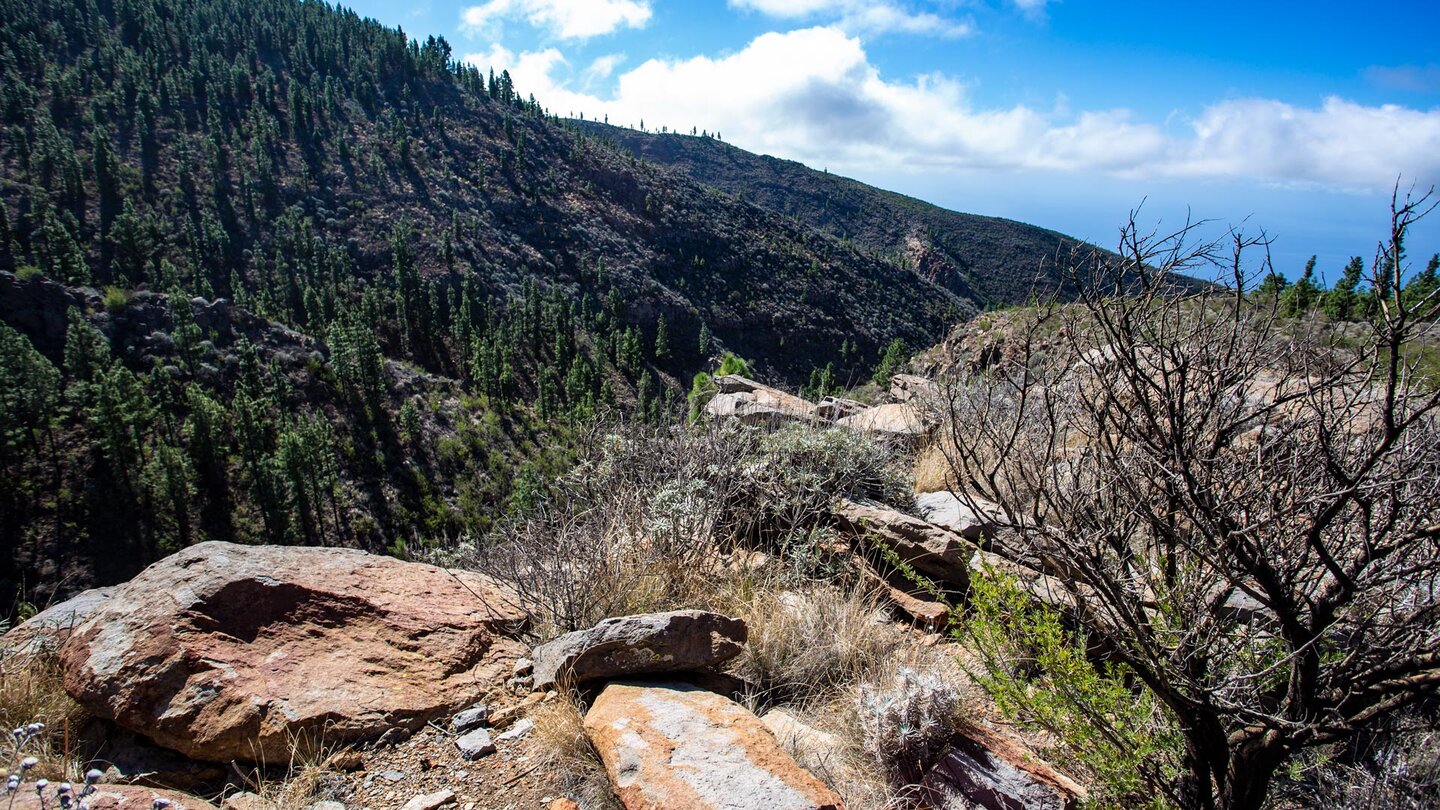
(975, 256)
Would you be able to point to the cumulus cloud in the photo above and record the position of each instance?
(603, 67)
(566, 19)
(863, 16)
(813, 95)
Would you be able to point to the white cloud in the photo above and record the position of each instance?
(863, 16)
(566, 19)
(813, 95)
(603, 67)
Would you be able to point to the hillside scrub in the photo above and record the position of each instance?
(648, 515)
(1242, 509)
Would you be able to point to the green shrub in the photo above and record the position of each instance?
(732, 364)
(1039, 674)
(116, 300)
(29, 272)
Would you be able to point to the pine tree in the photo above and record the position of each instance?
(1340, 303)
(662, 340)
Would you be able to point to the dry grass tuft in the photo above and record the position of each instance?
(805, 644)
(560, 737)
(31, 691)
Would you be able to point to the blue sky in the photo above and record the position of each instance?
(1294, 117)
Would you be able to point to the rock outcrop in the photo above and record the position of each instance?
(993, 772)
(909, 387)
(935, 552)
(228, 652)
(896, 420)
(834, 408)
(678, 641)
(674, 747)
(752, 403)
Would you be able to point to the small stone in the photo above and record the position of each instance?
(563, 804)
(394, 736)
(476, 744)
(518, 731)
(327, 805)
(392, 776)
(470, 719)
(523, 667)
(431, 801)
(244, 801)
(346, 761)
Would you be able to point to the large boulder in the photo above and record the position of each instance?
(677, 747)
(994, 772)
(678, 641)
(909, 387)
(228, 652)
(937, 553)
(752, 403)
(49, 628)
(896, 420)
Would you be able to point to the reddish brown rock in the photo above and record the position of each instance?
(113, 797)
(228, 652)
(673, 746)
(937, 553)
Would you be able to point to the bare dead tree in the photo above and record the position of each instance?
(1245, 507)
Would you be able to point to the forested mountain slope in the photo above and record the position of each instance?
(272, 272)
(986, 259)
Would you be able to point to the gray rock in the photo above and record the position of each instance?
(518, 731)
(392, 776)
(431, 801)
(955, 513)
(50, 627)
(472, 718)
(991, 773)
(679, 641)
(476, 744)
(327, 805)
(754, 404)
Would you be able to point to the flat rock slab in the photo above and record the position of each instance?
(651, 643)
(112, 797)
(676, 747)
(970, 517)
(936, 552)
(992, 771)
(248, 653)
(899, 420)
(752, 403)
